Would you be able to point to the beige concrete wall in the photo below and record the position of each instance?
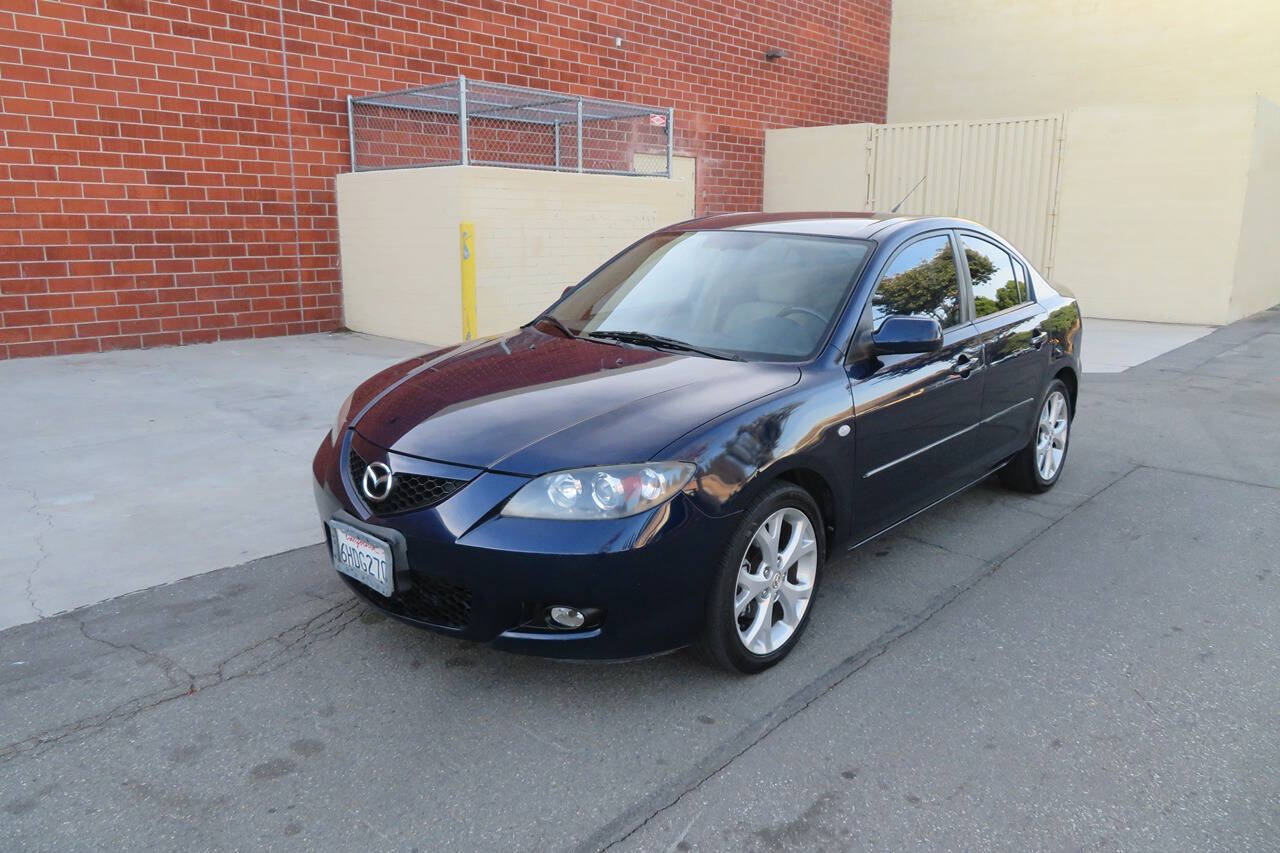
(1146, 219)
(989, 58)
(1150, 204)
(398, 242)
(536, 233)
(1257, 272)
(1168, 185)
(816, 168)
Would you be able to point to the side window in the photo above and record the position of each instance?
(920, 281)
(1020, 273)
(996, 285)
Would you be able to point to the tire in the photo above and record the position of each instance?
(1025, 471)
(788, 597)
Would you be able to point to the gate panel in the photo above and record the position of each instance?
(1000, 172)
(903, 154)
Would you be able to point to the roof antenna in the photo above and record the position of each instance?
(894, 209)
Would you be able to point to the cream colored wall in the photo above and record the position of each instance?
(398, 241)
(1257, 272)
(989, 58)
(1154, 222)
(816, 168)
(536, 233)
(1150, 205)
(539, 232)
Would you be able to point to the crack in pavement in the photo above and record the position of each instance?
(28, 589)
(166, 664)
(284, 648)
(616, 831)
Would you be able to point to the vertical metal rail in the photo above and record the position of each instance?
(671, 137)
(579, 134)
(351, 131)
(555, 128)
(465, 157)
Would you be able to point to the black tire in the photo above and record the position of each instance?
(1021, 472)
(720, 644)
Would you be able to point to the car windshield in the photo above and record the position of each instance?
(744, 294)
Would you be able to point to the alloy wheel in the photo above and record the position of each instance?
(775, 581)
(1051, 435)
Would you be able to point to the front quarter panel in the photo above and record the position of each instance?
(741, 453)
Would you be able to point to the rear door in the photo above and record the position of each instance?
(1011, 326)
(916, 415)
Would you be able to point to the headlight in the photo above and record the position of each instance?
(343, 412)
(593, 493)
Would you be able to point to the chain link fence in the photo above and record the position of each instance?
(463, 122)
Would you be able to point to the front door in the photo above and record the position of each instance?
(915, 415)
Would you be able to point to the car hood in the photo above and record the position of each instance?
(531, 402)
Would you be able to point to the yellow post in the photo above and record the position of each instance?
(468, 230)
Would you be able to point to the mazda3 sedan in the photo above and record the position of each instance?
(671, 453)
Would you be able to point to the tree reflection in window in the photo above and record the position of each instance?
(991, 274)
(921, 281)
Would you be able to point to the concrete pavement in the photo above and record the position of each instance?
(1116, 345)
(1093, 668)
(126, 470)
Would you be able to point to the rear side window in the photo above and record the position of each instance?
(1020, 272)
(993, 275)
(921, 282)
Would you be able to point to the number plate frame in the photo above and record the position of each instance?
(374, 563)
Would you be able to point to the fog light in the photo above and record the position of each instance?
(567, 617)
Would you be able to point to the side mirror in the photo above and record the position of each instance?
(907, 335)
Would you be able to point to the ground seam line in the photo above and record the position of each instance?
(855, 663)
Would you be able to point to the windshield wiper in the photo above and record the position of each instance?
(646, 339)
(553, 321)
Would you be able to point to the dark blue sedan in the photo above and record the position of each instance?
(669, 455)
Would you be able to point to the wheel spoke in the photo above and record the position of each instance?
(801, 543)
(767, 540)
(761, 624)
(793, 598)
(749, 586)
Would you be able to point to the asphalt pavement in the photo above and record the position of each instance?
(1096, 668)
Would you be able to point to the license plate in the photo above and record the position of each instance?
(361, 556)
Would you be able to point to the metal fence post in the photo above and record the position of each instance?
(351, 131)
(462, 118)
(555, 128)
(579, 134)
(671, 137)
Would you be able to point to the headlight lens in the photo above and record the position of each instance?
(594, 493)
(343, 411)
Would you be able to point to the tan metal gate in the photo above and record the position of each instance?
(1000, 172)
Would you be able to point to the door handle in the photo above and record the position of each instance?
(1038, 339)
(963, 365)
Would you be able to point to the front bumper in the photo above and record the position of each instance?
(463, 570)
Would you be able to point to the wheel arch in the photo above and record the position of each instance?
(1069, 378)
(818, 488)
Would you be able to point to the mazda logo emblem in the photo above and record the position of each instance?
(376, 482)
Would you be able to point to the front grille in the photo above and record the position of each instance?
(408, 491)
(431, 600)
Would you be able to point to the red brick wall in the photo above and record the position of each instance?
(166, 173)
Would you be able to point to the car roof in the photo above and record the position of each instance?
(823, 223)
